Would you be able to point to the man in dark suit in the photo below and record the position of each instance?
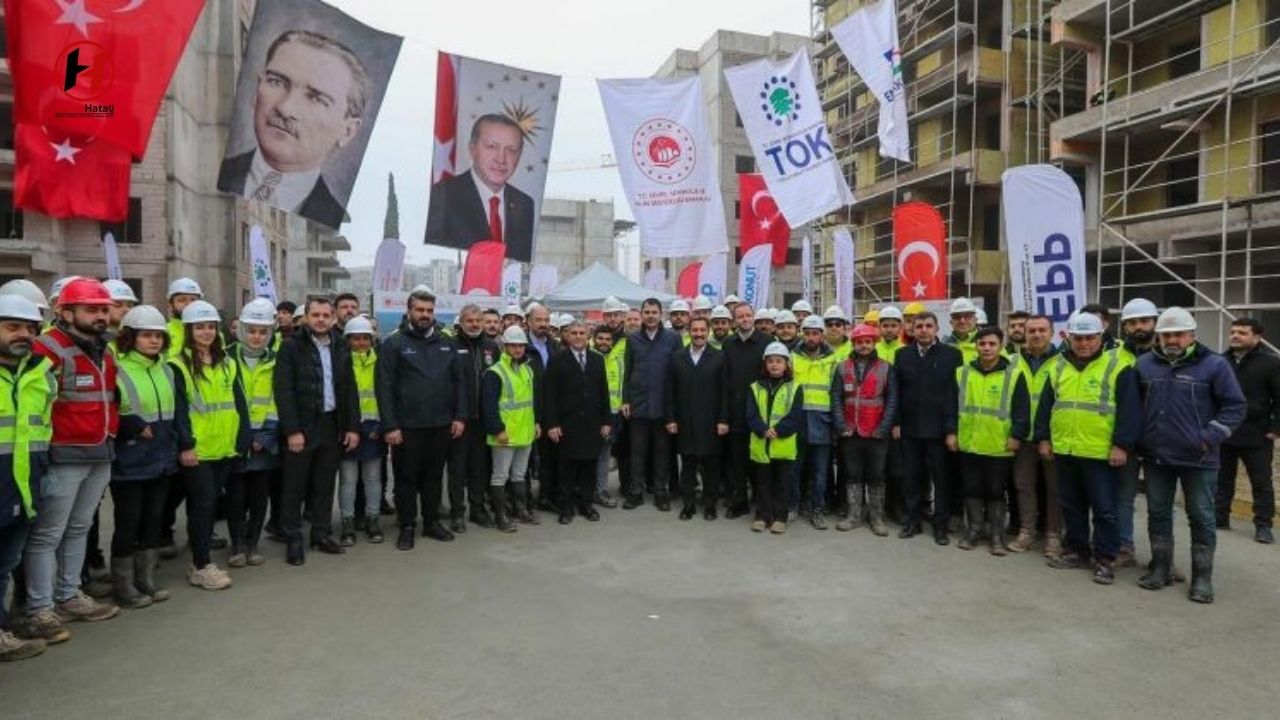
(310, 102)
(576, 413)
(698, 416)
(480, 204)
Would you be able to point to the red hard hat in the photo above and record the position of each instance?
(865, 331)
(85, 291)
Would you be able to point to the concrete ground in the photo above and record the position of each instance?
(644, 616)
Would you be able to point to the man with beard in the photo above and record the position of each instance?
(1017, 332)
(648, 363)
(814, 365)
(182, 292)
(964, 323)
(492, 323)
(679, 317)
(603, 344)
(743, 356)
(890, 326)
(801, 309)
(698, 418)
(787, 330)
(469, 454)
(721, 325)
(1258, 372)
(836, 325)
(546, 461)
(284, 323)
(512, 315)
(1137, 325)
(1028, 467)
(345, 307)
(632, 323)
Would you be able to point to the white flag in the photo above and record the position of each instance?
(264, 285)
(712, 276)
(842, 263)
(869, 38)
(388, 266)
(754, 275)
(112, 254)
(667, 163)
(1044, 234)
(782, 114)
(655, 279)
(511, 276)
(806, 269)
(542, 280)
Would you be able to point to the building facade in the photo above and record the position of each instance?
(573, 234)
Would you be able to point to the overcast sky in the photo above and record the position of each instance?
(579, 39)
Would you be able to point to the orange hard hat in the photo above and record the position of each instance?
(85, 291)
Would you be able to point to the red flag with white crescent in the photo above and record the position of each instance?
(446, 130)
(687, 284)
(920, 246)
(68, 176)
(761, 220)
(483, 269)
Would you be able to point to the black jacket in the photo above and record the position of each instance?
(647, 365)
(927, 390)
(576, 400)
(742, 359)
(540, 370)
(697, 399)
(1258, 373)
(419, 381)
(476, 356)
(320, 204)
(298, 385)
(457, 218)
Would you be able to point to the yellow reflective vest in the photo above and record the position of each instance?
(763, 451)
(814, 375)
(364, 363)
(515, 402)
(1083, 419)
(986, 409)
(26, 406)
(211, 404)
(259, 389)
(887, 350)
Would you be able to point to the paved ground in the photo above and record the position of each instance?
(643, 616)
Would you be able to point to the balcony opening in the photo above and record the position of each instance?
(1182, 184)
(1273, 21)
(128, 232)
(6, 125)
(1184, 58)
(1269, 166)
(991, 227)
(744, 164)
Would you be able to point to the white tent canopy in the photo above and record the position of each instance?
(588, 289)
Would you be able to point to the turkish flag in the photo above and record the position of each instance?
(483, 270)
(762, 221)
(96, 68)
(920, 244)
(446, 124)
(66, 176)
(687, 283)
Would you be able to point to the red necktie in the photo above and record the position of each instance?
(495, 219)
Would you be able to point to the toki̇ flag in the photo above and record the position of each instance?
(762, 221)
(69, 176)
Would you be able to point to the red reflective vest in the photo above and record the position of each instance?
(864, 402)
(85, 412)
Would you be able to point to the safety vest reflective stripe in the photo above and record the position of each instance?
(7, 448)
(515, 403)
(762, 450)
(814, 376)
(1083, 417)
(1000, 413)
(28, 392)
(364, 365)
(215, 420)
(1103, 406)
(985, 421)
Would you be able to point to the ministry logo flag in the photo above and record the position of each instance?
(869, 38)
(667, 163)
(782, 114)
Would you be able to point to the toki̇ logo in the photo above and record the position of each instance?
(781, 101)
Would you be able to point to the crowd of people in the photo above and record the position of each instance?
(1010, 436)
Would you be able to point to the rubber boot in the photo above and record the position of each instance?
(144, 574)
(996, 519)
(1160, 571)
(854, 494)
(520, 509)
(500, 520)
(974, 510)
(875, 503)
(124, 592)
(1201, 573)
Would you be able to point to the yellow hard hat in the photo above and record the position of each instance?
(872, 316)
(914, 308)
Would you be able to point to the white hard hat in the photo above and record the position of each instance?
(16, 307)
(259, 311)
(800, 306)
(785, 316)
(1139, 308)
(720, 312)
(963, 306)
(528, 309)
(702, 302)
(300, 312)
(421, 289)
(777, 349)
(679, 306)
(980, 316)
(56, 289)
(1084, 324)
(562, 320)
(513, 310)
(145, 317)
(835, 312)
(120, 291)
(358, 325)
(890, 312)
(200, 312)
(732, 300)
(612, 304)
(765, 314)
(1175, 319)
(24, 288)
(514, 335)
(813, 322)
(185, 286)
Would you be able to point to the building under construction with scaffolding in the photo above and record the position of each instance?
(1165, 112)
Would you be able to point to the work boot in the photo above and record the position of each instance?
(1126, 557)
(521, 512)
(974, 512)
(97, 585)
(996, 518)
(500, 519)
(1023, 542)
(1052, 546)
(480, 516)
(1159, 573)
(83, 608)
(406, 540)
(1104, 573)
(14, 648)
(169, 550)
(45, 625)
(144, 574)
(126, 593)
(875, 508)
(854, 493)
(1201, 573)
(347, 536)
(458, 525)
(1262, 534)
(817, 520)
(373, 530)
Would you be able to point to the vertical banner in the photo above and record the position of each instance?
(806, 269)
(842, 259)
(542, 280)
(511, 276)
(687, 281)
(754, 276)
(493, 131)
(264, 284)
(782, 114)
(869, 38)
(713, 276)
(666, 160)
(388, 267)
(762, 221)
(111, 254)
(1044, 235)
(655, 279)
(920, 243)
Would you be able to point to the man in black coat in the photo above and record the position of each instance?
(743, 355)
(925, 374)
(644, 393)
(319, 410)
(1258, 371)
(469, 460)
(698, 416)
(577, 417)
(545, 463)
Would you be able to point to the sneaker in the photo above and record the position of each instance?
(238, 560)
(254, 558)
(209, 577)
(817, 521)
(1103, 574)
(373, 531)
(1022, 543)
(45, 625)
(14, 648)
(1263, 535)
(83, 608)
(778, 527)
(1066, 561)
(757, 526)
(1126, 558)
(1052, 547)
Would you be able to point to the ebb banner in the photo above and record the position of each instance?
(1044, 234)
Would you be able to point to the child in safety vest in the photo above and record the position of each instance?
(507, 405)
(364, 464)
(774, 415)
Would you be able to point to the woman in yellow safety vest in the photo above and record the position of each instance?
(774, 415)
(364, 465)
(213, 396)
(507, 406)
(249, 487)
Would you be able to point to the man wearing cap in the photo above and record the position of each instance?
(1138, 338)
(1088, 421)
(814, 365)
(512, 315)
(743, 355)
(801, 309)
(765, 322)
(679, 317)
(721, 325)
(122, 301)
(864, 408)
(837, 328)
(1192, 403)
(909, 314)
(890, 324)
(964, 321)
(787, 330)
(732, 301)
(646, 369)
(1104, 314)
(182, 292)
(702, 306)
(619, 443)
(1258, 372)
(1034, 360)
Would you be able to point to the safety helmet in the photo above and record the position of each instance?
(16, 307)
(85, 291)
(963, 306)
(766, 314)
(185, 286)
(835, 312)
(24, 288)
(1175, 319)
(785, 317)
(562, 320)
(813, 322)
(679, 306)
(200, 311)
(1139, 308)
(528, 309)
(777, 349)
(1084, 324)
(702, 302)
(720, 312)
(800, 306)
(865, 331)
(513, 311)
(890, 312)
(300, 312)
(913, 308)
(612, 304)
(358, 325)
(872, 316)
(514, 335)
(732, 300)
(120, 291)
(145, 317)
(259, 311)
(981, 316)
(56, 289)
